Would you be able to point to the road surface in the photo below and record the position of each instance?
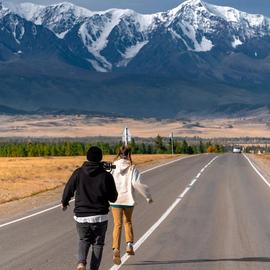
(209, 212)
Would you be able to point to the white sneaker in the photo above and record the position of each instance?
(81, 266)
(129, 249)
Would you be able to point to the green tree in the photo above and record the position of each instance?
(142, 149)
(202, 147)
(133, 146)
(184, 147)
(159, 145)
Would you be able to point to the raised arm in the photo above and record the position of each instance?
(139, 186)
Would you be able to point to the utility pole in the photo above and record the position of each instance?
(172, 142)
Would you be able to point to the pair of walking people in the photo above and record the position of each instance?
(95, 190)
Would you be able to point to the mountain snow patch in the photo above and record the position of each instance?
(28, 11)
(236, 42)
(97, 66)
(204, 46)
(130, 53)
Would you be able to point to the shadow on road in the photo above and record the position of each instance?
(247, 259)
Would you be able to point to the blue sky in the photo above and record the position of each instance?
(150, 6)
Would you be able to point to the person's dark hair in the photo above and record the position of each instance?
(125, 153)
(94, 154)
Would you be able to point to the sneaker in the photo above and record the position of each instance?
(81, 266)
(129, 249)
(116, 257)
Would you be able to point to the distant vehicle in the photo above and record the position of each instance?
(237, 150)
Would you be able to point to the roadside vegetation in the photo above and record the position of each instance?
(29, 167)
(158, 145)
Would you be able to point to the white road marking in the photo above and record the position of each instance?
(35, 214)
(165, 164)
(193, 182)
(184, 193)
(257, 171)
(59, 205)
(179, 198)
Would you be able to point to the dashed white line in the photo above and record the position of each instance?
(193, 182)
(59, 205)
(162, 218)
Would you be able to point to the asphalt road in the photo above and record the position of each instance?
(218, 218)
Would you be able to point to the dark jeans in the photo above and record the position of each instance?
(91, 234)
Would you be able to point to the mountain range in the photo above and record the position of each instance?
(194, 59)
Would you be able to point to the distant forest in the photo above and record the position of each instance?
(159, 145)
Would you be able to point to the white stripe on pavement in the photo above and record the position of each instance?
(35, 214)
(257, 171)
(179, 198)
(165, 164)
(59, 205)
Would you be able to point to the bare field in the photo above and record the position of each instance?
(84, 126)
(24, 177)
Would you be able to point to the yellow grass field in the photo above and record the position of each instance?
(264, 156)
(24, 177)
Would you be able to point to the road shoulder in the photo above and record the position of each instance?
(262, 163)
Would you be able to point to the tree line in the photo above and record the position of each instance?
(159, 145)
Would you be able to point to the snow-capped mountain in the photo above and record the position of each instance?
(111, 39)
(18, 36)
(59, 18)
(195, 41)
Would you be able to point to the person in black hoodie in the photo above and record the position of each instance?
(94, 188)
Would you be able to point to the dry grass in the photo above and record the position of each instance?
(263, 156)
(24, 177)
(262, 161)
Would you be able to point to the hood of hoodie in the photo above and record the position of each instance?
(122, 165)
(91, 167)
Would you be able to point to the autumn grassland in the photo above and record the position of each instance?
(24, 177)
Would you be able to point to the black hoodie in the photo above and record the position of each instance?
(94, 187)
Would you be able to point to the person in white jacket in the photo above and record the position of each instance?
(127, 179)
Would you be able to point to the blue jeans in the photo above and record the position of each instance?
(91, 234)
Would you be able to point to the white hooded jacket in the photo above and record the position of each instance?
(127, 178)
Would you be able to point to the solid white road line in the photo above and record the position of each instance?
(59, 205)
(165, 164)
(179, 198)
(257, 171)
(35, 214)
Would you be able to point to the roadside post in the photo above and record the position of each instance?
(126, 137)
(171, 138)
